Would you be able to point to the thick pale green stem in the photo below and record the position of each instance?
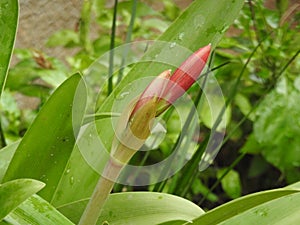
(101, 193)
(132, 136)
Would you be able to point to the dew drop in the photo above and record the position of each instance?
(172, 45)
(180, 36)
(71, 180)
(123, 95)
(199, 21)
(68, 171)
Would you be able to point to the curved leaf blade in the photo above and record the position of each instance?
(9, 13)
(36, 210)
(47, 145)
(238, 206)
(145, 208)
(13, 193)
(6, 155)
(284, 210)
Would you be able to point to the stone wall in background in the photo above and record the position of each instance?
(41, 18)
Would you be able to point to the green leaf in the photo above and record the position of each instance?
(47, 145)
(240, 205)
(139, 208)
(36, 210)
(13, 193)
(244, 105)
(199, 188)
(277, 127)
(9, 11)
(66, 38)
(231, 183)
(284, 210)
(6, 155)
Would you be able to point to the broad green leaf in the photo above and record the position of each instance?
(13, 193)
(9, 11)
(47, 145)
(240, 205)
(231, 183)
(284, 210)
(277, 127)
(36, 210)
(6, 155)
(199, 188)
(139, 208)
(244, 105)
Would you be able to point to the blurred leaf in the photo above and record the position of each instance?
(66, 38)
(9, 11)
(10, 112)
(231, 183)
(139, 208)
(36, 210)
(171, 10)
(282, 5)
(258, 166)
(251, 146)
(244, 105)
(278, 126)
(142, 8)
(157, 24)
(46, 147)
(13, 193)
(199, 188)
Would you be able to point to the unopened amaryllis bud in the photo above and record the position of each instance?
(136, 121)
(169, 88)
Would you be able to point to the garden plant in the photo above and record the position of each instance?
(164, 115)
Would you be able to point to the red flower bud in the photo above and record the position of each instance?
(167, 89)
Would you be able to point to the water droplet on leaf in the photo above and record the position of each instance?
(180, 36)
(71, 180)
(122, 95)
(173, 44)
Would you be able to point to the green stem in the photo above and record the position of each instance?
(112, 46)
(101, 193)
(128, 38)
(84, 29)
(105, 184)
